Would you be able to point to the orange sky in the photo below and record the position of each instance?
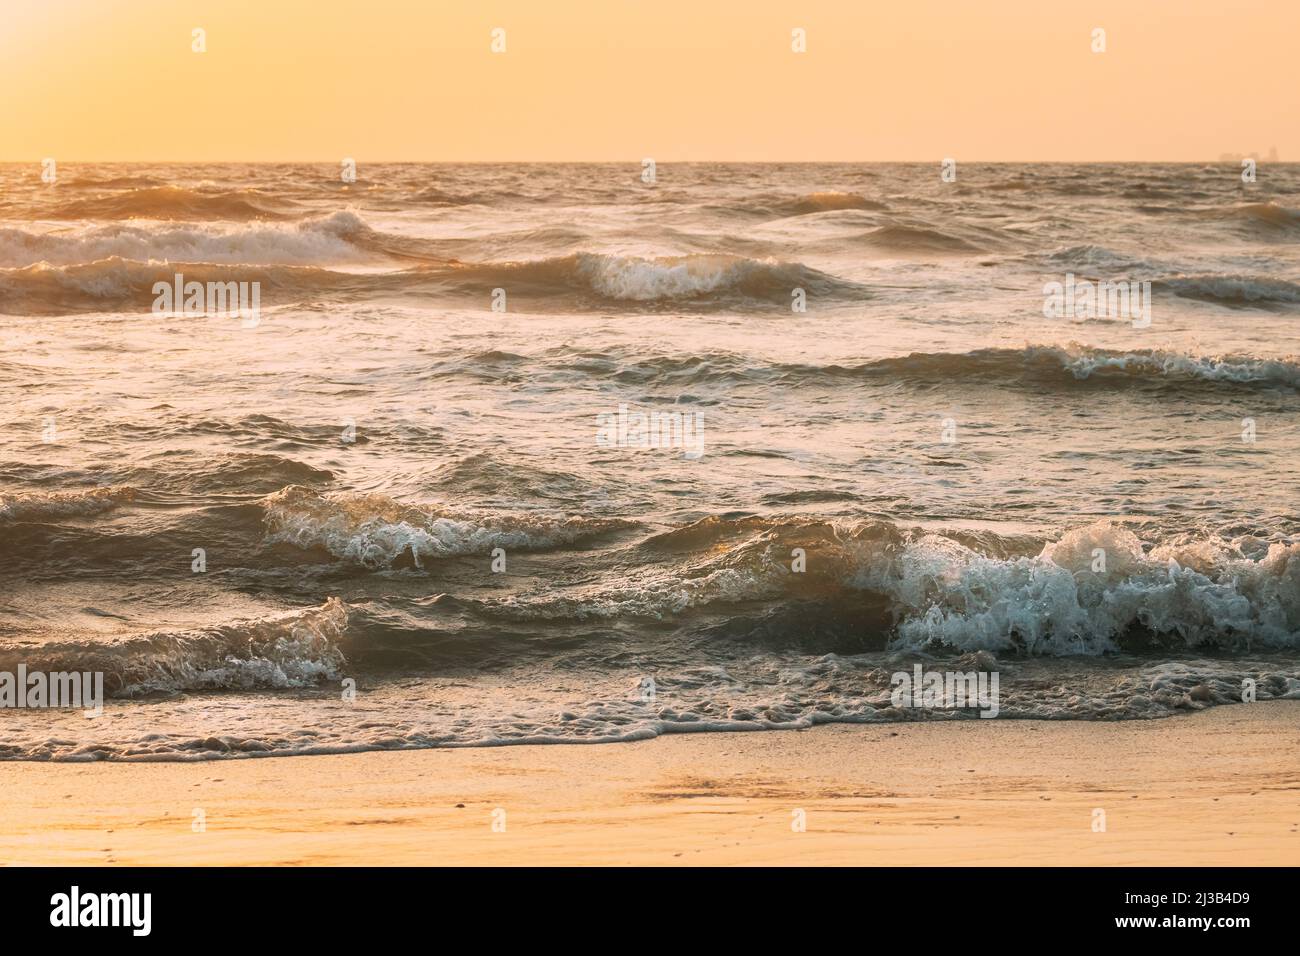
(377, 80)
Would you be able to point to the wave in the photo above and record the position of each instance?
(124, 285)
(698, 277)
(294, 649)
(1262, 219)
(487, 477)
(1166, 366)
(1267, 214)
(54, 505)
(1096, 589)
(905, 238)
(784, 206)
(1081, 363)
(1092, 257)
(578, 280)
(376, 532)
(745, 695)
(682, 277)
(175, 202)
(1010, 185)
(1042, 366)
(1239, 291)
(338, 238)
(241, 474)
(812, 203)
(112, 182)
(431, 196)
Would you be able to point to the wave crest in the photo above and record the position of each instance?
(1266, 217)
(376, 532)
(176, 202)
(1092, 591)
(51, 506)
(898, 237)
(337, 238)
(294, 649)
(696, 277)
(1233, 290)
(1148, 366)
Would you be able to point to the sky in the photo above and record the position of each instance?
(623, 80)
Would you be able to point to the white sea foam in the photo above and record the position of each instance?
(630, 277)
(290, 649)
(1085, 363)
(294, 649)
(374, 531)
(1057, 604)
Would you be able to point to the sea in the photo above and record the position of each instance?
(474, 455)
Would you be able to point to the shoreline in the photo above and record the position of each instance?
(1216, 787)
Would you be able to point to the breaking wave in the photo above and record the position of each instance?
(1097, 588)
(672, 277)
(294, 649)
(337, 238)
(1094, 590)
(293, 262)
(375, 531)
(633, 279)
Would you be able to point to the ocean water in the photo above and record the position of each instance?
(877, 450)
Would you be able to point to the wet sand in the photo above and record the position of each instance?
(1217, 787)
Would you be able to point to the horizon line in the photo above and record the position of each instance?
(1235, 157)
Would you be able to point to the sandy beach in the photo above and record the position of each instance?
(1220, 786)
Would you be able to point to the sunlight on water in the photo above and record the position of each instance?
(502, 442)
